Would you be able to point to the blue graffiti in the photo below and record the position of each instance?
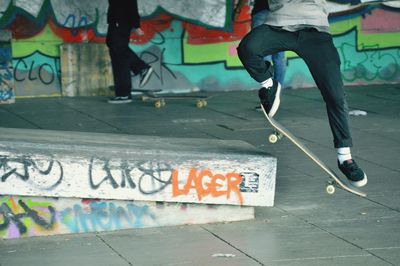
(104, 216)
(5, 55)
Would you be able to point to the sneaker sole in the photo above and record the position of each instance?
(146, 78)
(360, 183)
(276, 103)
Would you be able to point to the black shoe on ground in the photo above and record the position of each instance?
(270, 98)
(354, 174)
(120, 99)
(145, 76)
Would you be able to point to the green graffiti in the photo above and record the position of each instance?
(370, 63)
(46, 43)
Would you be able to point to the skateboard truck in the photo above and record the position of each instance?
(159, 103)
(330, 187)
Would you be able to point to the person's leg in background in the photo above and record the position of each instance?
(117, 41)
(139, 67)
(278, 59)
(279, 64)
(136, 63)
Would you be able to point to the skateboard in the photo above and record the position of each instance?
(145, 93)
(160, 99)
(334, 179)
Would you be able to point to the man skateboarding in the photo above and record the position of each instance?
(302, 26)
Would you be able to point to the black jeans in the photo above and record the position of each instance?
(319, 53)
(123, 59)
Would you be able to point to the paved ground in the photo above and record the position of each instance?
(306, 226)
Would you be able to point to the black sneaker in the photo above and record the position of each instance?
(120, 99)
(354, 174)
(270, 98)
(144, 76)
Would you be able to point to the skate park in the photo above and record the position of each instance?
(83, 181)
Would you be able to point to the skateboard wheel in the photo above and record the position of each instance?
(330, 189)
(159, 104)
(200, 104)
(273, 138)
(205, 103)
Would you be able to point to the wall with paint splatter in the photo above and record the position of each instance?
(191, 45)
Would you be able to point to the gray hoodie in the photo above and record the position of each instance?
(295, 14)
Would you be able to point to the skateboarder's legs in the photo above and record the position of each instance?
(262, 41)
(319, 53)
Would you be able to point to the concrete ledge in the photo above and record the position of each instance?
(38, 216)
(126, 167)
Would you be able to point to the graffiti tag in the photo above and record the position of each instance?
(205, 183)
(43, 173)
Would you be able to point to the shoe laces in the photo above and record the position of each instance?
(352, 166)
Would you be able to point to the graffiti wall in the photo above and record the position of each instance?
(192, 45)
(6, 69)
(39, 216)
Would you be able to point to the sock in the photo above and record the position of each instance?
(267, 83)
(343, 154)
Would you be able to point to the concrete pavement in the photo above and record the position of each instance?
(305, 227)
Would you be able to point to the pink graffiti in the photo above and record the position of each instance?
(381, 21)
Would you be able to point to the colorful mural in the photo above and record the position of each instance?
(193, 45)
(6, 69)
(40, 216)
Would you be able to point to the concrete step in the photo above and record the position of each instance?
(126, 167)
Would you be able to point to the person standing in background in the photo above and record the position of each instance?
(122, 17)
(259, 14)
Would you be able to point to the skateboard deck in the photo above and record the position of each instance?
(140, 91)
(160, 99)
(336, 180)
(149, 93)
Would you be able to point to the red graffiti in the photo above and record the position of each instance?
(88, 34)
(205, 183)
(203, 35)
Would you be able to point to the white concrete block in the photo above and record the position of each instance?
(125, 167)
